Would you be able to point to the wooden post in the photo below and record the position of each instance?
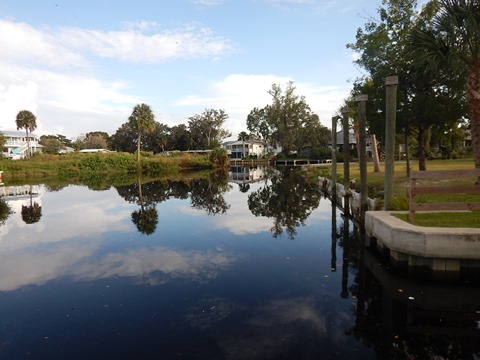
(391, 83)
(334, 157)
(346, 160)
(362, 152)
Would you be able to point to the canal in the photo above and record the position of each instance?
(256, 266)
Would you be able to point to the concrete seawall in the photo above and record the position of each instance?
(443, 249)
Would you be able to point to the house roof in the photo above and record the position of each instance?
(240, 142)
(15, 133)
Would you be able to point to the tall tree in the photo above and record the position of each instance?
(288, 116)
(453, 44)
(26, 120)
(141, 120)
(179, 138)
(207, 129)
(257, 124)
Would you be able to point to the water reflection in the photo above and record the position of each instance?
(84, 281)
(33, 212)
(287, 199)
(5, 211)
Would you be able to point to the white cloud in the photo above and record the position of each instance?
(64, 103)
(135, 45)
(238, 94)
(25, 44)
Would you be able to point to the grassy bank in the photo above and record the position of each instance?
(375, 185)
(99, 164)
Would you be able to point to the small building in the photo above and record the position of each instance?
(245, 149)
(17, 144)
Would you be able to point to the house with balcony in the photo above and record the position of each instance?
(17, 144)
(245, 149)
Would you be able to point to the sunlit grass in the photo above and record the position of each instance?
(468, 219)
(375, 181)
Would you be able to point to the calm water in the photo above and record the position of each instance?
(198, 269)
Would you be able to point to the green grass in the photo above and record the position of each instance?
(97, 164)
(469, 219)
(400, 185)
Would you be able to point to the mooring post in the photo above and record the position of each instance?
(362, 152)
(334, 157)
(391, 83)
(346, 160)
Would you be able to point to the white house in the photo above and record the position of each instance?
(352, 142)
(245, 149)
(16, 145)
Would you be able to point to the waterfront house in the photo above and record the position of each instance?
(17, 144)
(245, 149)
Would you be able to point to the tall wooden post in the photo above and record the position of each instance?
(362, 152)
(334, 157)
(346, 160)
(391, 83)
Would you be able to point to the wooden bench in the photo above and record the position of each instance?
(418, 189)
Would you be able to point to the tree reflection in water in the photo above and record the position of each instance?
(288, 199)
(205, 194)
(33, 212)
(5, 211)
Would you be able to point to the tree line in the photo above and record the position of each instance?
(288, 123)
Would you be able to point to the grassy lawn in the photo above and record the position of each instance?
(469, 219)
(400, 185)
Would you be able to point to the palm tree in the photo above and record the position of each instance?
(143, 121)
(26, 120)
(452, 44)
(243, 136)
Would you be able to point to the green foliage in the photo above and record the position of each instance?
(399, 203)
(219, 159)
(321, 153)
(93, 163)
(121, 162)
(288, 122)
(424, 101)
(206, 129)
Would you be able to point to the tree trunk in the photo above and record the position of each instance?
(473, 97)
(138, 147)
(407, 154)
(376, 161)
(28, 143)
(422, 131)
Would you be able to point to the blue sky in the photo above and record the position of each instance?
(82, 66)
